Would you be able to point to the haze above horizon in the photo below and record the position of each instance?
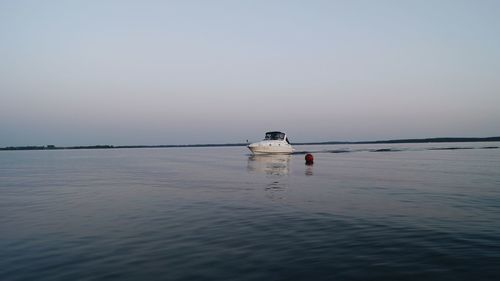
(184, 72)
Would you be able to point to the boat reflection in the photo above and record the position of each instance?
(270, 164)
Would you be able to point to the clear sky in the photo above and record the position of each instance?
(174, 72)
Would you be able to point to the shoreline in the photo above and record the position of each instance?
(424, 140)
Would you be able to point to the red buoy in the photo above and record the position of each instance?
(309, 159)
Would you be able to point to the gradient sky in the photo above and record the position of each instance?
(174, 72)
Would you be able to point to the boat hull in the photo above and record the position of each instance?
(271, 147)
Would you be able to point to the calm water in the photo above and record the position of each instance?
(415, 212)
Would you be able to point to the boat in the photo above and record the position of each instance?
(274, 143)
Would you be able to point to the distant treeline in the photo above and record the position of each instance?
(53, 147)
(426, 140)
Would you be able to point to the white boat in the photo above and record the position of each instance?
(274, 143)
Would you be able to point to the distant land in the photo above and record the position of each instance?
(426, 140)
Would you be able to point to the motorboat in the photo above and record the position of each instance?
(274, 143)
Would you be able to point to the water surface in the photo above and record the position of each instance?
(372, 212)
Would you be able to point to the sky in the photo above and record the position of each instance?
(189, 72)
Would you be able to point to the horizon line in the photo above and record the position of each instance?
(390, 141)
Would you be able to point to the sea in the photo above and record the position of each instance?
(360, 212)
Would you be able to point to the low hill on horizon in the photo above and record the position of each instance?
(424, 140)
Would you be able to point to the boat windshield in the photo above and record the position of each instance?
(275, 136)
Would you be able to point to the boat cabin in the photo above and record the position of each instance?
(276, 136)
